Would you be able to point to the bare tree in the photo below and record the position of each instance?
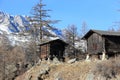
(116, 26)
(10, 56)
(71, 37)
(111, 29)
(84, 28)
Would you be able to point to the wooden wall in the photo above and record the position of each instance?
(57, 49)
(95, 44)
(112, 43)
(52, 49)
(44, 51)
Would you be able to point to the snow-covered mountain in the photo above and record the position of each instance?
(13, 26)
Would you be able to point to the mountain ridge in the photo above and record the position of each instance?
(13, 25)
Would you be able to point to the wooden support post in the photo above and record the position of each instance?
(115, 56)
(48, 60)
(87, 57)
(103, 55)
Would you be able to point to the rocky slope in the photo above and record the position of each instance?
(57, 71)
(80, 70)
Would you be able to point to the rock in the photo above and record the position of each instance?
(10, 68)
(118, 77)
(55, 60)
(72, 61)
(90, 76)
(58, 78)
(39, 62)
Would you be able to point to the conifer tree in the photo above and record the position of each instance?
(40, 18)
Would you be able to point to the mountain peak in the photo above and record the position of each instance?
(19, 24)
(12, 24)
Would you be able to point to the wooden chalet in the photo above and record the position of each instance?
(103, 43)
(53, 48)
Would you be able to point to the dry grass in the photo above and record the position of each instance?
(108, 69)
(75, 71)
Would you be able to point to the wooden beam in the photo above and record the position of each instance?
(104, 55)
(87, 57)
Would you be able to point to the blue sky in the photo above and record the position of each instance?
(98, 14)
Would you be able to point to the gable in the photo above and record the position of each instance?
(101, 33)
(54, 41)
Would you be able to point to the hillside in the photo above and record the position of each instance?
(59, 71)
(81, 70)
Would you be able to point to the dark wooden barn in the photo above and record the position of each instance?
(103, 42)
(53, 48)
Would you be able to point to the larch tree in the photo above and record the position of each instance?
(84, 28)
(117, 26)
(83, 31)
(71, 34)
(8, 57)
(40, 18)
(111, 29)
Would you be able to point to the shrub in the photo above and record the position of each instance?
(108, 69)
